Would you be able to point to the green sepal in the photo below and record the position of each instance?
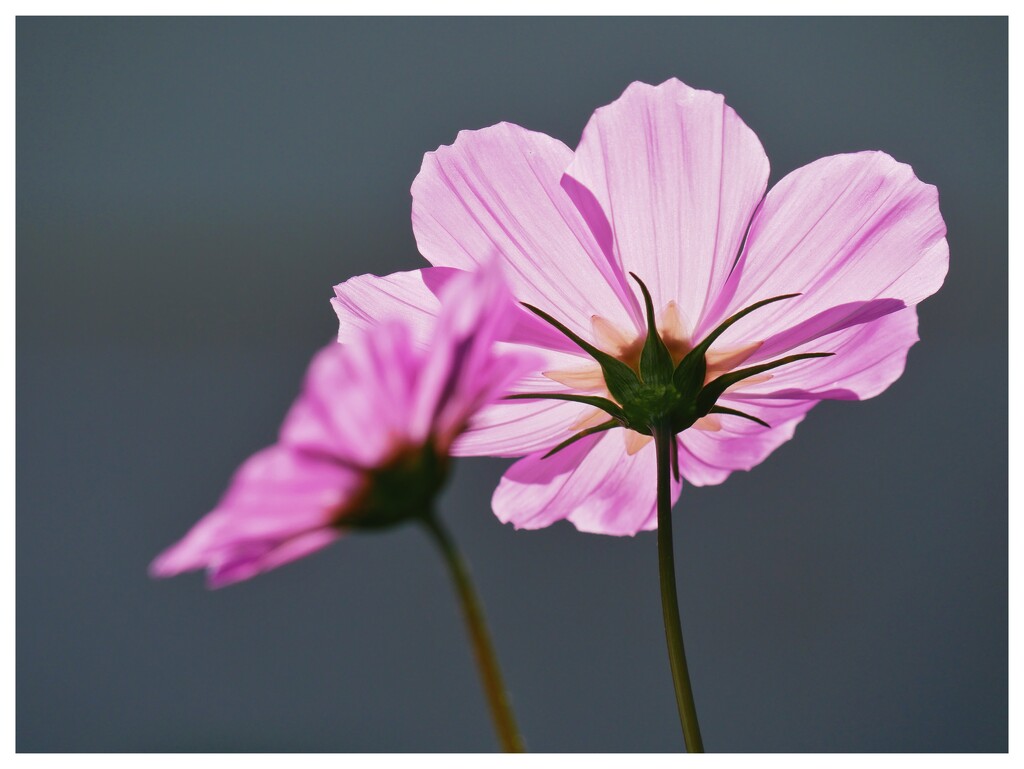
(713, 390)
(656, 365)
(609, 407)
(689, 374)
(403, 489)
(716, 409)
(583, 434)
(620, 379)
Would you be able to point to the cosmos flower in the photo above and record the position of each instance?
(667, 184)
(366, 442)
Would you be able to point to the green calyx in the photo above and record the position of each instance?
(402, 489)
(660, 393)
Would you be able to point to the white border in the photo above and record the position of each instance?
(521, 7)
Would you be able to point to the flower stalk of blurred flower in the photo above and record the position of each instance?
(749, 309)
(366, 446)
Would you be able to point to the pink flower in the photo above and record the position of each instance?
(366, 442)
(667, 183)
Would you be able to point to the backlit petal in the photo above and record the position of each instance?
(868, 359)
(411, 297)
(246, 563)
(516, 428)
(859, 235)
(707, 457)
(276, 498)
(357, 399)
(593, 483)
(678, 175)
(495, 193)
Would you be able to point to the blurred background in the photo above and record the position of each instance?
(188, 191)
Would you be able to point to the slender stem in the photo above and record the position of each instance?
(663, 438)
(483, 648)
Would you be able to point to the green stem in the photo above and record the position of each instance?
(663, 438)
(483, 648)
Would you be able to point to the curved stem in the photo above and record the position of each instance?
(663, 439)
(483, 649)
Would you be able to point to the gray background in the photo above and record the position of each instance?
(187, 193)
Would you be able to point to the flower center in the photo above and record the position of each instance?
(667, 387)
(400, 489)
(627, 346)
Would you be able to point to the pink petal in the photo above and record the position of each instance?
(496, 193)
(520, 427)
(247, 564)
(412, 297)
(276, 498)
(825, 324)
(843, 230)
(502, 429)
(462, 370)
(707, 458)
(357, 399)
(868, 359)
(593, 483)
(698, 472)
(515, 428)
(678, 175)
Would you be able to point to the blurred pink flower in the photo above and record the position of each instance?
(365, 444)
(668, 183)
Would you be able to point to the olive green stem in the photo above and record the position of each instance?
(483, 648)
(663, 438)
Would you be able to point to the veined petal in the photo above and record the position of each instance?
(708, 457)
(593, 483)
(412, 297)
(519, 427)
(678, 175)
(495, 193)
(868, 358)
(843, 231)
(696, 471)
(516, 428)
(826, 324)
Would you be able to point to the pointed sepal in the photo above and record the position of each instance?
(656, 366)
(611, 423)
(713, 390)
(620, 379)
(611, 408)
(716, 409)
(689, 374)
